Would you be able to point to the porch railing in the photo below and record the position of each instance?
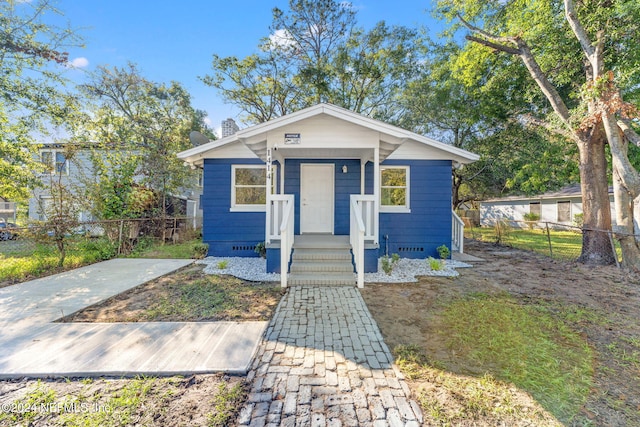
(366, 206)
(457, 233)
(286, 235)
(275, 213)
(363, 229)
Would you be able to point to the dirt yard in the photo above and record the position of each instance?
(605, 301)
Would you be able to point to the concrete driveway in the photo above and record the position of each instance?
(32, 346)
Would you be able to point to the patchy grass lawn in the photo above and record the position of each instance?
(38, 260)
(188, 295)
(26, 261)
(193, 249)
(203, 400)
(517, 340)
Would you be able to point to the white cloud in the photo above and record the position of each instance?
(281, 39)
(207, 121)
(80, 62)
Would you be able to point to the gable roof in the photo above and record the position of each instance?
(390, 137)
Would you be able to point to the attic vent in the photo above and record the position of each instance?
(411, 249)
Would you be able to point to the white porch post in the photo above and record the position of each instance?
(363, 162)
(267, 227)
(376, 193)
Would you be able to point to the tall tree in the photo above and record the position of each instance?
(149, 120)
(476, 118)
(565, 56)
(32, 61)
(316, 53)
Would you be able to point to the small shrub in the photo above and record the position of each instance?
(388, 264)
(501, 230)
(434, 264)
(531, 218)
(200, 250)
(443, 251)
(578, 220)
(261, 250)
(222, 264)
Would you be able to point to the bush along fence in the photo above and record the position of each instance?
(111, 237)
(558, 241)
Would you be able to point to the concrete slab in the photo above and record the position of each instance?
(457, 256)
(34, 347)
(129, 349)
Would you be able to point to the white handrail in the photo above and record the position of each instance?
(365, 206)
(356, 238)
(286, 230)
(457, 232)
(275, 213)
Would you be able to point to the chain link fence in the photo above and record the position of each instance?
(119, 236)
(558, 241)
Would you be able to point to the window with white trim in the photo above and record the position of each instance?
(248, 187)
(564, 211)
(54, 161)
(394, 189)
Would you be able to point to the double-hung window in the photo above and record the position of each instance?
(54, 161)
(394, 189)
(248, 187)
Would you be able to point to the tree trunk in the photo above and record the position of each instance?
(625, 225)
(596, 246)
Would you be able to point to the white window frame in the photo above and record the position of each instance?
(564, 203)
(51, 168)
(241, 207)
(397, 209)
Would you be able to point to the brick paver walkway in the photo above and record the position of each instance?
(323, 362)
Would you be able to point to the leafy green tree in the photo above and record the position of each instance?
(316, 53)
(567, 52)
(32, 61)
(137, 127)
(475, 118)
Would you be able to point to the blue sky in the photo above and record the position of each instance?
(174, 40)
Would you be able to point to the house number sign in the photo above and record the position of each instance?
(291, 138)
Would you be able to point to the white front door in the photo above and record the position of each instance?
(316, 198)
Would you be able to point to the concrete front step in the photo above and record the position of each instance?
(303, 254)
(321, 266)
(322, 278)
(326, 263)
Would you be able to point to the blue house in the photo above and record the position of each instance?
(326, 174)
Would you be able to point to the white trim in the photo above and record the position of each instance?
(259, 132)
(52, 168)
(245, 208)
(407, 200)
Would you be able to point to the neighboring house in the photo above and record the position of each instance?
(75, 172)
(8, 211)
(327, 171)
(560, 207)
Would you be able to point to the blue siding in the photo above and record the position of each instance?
(345, 185)
(228, 233)
(419, 233)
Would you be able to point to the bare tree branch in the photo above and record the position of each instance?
(631, 135)
(492, 45)
(522, 50)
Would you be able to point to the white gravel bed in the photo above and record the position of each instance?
(407, 269)
(254, 269)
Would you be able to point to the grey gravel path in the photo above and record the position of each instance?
(323, 362)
